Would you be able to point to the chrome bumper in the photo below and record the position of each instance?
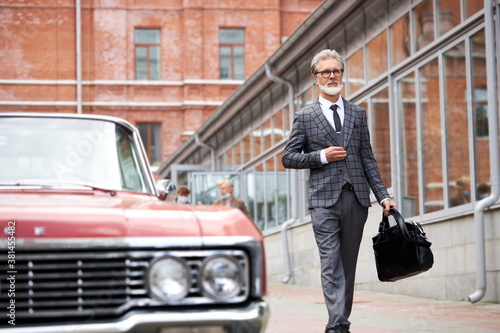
(252, 319)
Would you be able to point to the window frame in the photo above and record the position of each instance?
(148, 49)
(231, 47)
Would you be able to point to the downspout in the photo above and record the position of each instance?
(494, 155)
(293, 175)
(204, 145)
(78, 57)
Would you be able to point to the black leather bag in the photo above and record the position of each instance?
(402, 250)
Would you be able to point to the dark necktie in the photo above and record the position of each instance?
(336, 118)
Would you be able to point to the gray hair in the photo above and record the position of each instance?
(325, 54)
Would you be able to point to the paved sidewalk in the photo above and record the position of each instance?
(302, 309)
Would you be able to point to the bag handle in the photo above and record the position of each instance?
(402, 226)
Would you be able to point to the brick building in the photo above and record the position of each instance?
(164, 65)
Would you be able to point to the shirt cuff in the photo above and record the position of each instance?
(383, 201)
(323, 157)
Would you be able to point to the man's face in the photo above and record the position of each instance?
(332, 81)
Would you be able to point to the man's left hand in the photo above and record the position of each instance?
(387, 204)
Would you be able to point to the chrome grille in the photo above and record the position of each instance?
(95, 283)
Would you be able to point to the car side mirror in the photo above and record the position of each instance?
(165, 186)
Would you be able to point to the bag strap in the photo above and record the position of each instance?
(402, 226)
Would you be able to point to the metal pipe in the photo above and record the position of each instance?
(78, 57)
(494, 155)
(212, 150)
(293, 175)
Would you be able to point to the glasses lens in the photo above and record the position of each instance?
(326, 74)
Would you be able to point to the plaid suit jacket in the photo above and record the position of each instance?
(311, 133)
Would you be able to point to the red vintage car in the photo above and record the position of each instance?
(88, 245)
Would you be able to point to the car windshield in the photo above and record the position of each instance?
(67, 152)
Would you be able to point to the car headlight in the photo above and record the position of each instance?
(169, 279)
(221, 277)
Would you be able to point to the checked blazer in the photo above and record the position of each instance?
(312, 133)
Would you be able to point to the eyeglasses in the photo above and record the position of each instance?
(326, 73)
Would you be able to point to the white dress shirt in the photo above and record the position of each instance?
(325, 107)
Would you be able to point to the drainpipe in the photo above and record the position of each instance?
(78, 57)
(494, 155)
(204, 145)
(293, 175)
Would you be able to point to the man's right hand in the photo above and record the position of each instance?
(335, 154)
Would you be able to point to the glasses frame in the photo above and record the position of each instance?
(335, 72)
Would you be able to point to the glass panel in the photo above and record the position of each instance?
(247, 149)
(423, 18)
(225, 62)
(155, 144)
(237, 155)
(231, 36)
(409, 160)
(457, 137)
(377, 56)
(239, 62)
(432, 154)
(400, 40)
(268, 134)
(250, 176)
(283, 190)
(286, 121)
(206, 189)
(356, 71)
(382, 135)
(257, 141)
(472, 7)
(278, 129)
(480, 110)
(259, 197)
(154, 63)
(270, 193)
(147, 36)
(141, 63)
(448, 15)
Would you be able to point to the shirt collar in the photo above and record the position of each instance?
(326, 103)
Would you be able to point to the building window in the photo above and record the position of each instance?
(147, 54)
(232, 54)
(151, 138)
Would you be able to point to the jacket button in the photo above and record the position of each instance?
(341, 171)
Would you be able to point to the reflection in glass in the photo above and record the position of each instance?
(154, 63)
(278, 129)
(423, 18)
(472, 7)
(270, 194)
(382, 135)
(267, 134)
(377, 56)
(141, 63)
(409, 146)
(260, 218)
(431, 137)
(225, 62)
(480, 111)
(356, 71)
(457, 135)
(400, 40)
(257, 141)
(448, 15)
(239, 62)
(283, 190)
(246, 148)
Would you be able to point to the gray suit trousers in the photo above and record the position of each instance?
(338, 231)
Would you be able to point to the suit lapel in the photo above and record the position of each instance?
(348, 122)
(323, 124)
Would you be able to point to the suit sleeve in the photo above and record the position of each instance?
(295, 154)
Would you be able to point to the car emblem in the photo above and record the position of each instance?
(39, 231)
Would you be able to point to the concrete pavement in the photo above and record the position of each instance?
(302, 309)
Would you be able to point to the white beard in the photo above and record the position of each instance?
(331, 90)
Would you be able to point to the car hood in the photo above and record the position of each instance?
(89, 214)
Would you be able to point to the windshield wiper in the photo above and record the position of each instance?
(54, 184)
